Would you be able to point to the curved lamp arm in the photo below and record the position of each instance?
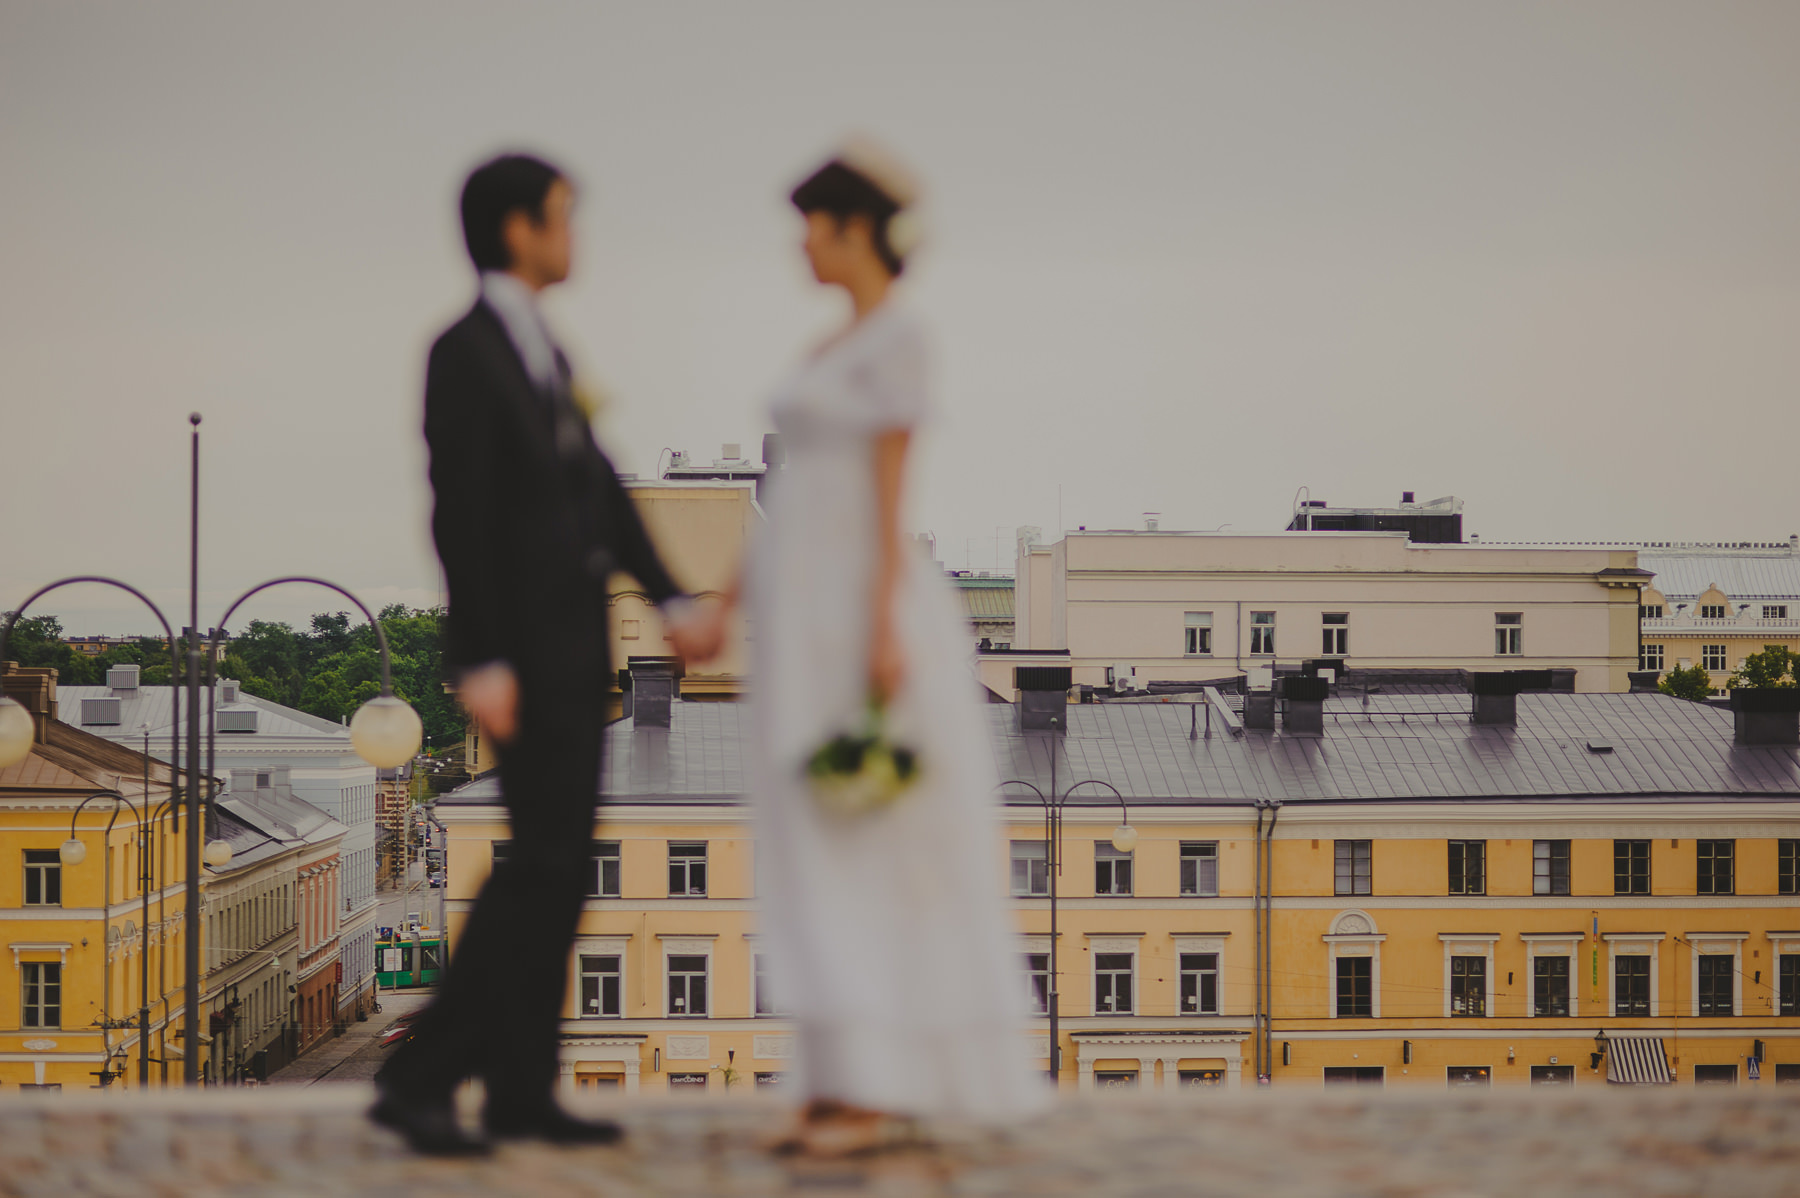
(174, 664)
(387, 683)
(73, 852)
(1124, 836)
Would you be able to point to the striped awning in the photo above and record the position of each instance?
(1637, 1061)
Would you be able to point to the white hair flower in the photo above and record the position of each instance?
(905, 231)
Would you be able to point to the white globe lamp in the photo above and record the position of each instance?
(1124, 838)
(72, 852)
(386, 732)
(217, 854)
(17, 733)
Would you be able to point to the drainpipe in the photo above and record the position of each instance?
(1268, 945)
(1256, 947)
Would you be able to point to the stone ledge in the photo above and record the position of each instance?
(1744, 1142)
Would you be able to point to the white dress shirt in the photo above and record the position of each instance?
(516, 306)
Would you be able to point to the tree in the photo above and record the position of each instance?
(1686, 682)
(1776, 665)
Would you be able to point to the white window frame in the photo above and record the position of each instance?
(1715, 658)
(1714, 611)
(1774, 611)
(1781, 944)
(61, 984)
(705, 859)
(1338, 623)
(596, 861)
(1203, 945)
(1104, 851)
(595, 946)
(1509, 634)
(1197, 633)
(1470, 944)
(1262, 633)
(1651, 657)
(687, 946)
(1359, 943)
(1013, 857)
(1036, 946)
(1199, 890)
(1112, 944)
(1720, 944)
(45, 870)
(757, 979)
(1633, 944)
(1552, 944)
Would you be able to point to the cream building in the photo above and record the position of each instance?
(1188, 606)
(1431, 888)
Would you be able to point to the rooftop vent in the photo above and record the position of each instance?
(1765, 715)
(97, 712)
(732, 451)
(122, 678)
(1043, 697)
(1496, 695)
(237, 721)
(1304, 712)
(1152, 521)
(653, 689)
(228, 691)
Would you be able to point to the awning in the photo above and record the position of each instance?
(1637, 1061)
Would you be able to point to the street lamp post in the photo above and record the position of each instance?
(1124, 838)
(385, 731)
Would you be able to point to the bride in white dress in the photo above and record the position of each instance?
(890, 938)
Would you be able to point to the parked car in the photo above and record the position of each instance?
(436, 880)
(400, 1032)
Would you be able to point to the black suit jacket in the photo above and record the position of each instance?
(530, 518)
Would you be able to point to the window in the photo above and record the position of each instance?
(1200, 867)
(1351, 867)
(1712, 872)
(1712, 657)
(1468, 986)
(768, 1079)
(1717, 971)
(1199, 633)
(764, 996)
(1549, 867)
(1199, 1078)
(1199, 983)
(603, 882)
(42, 994)
(1262, 632)
(1715, 1075)
(502, 850)
(1789, 986)
(1712, 611)
(1650, 657)
(1355, 987)
(1336, 634)
(43, 878)
(1550, 986)
(1353, 1075)
(600, 988)
(1774, 611)
(1631, 985)
(1553, 1075)
(1030, 868)
(687, 870)
(1112, 983)
(1785, 1075)
(1037, 982)
(1787, 866)
(687, 985)
(1115, 1079)
(1462, 1076)
(1468, 867)
(1112, 870)
(1509, 633)
(1650, 611)
(1631, 867)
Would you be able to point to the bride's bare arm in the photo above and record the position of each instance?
(887, 664)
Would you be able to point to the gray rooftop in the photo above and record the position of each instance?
(154, 706)
(1417, 746)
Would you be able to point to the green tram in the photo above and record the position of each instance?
(404, 961)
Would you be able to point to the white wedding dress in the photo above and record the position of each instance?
(891, 943)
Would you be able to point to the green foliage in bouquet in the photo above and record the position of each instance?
(858, 773)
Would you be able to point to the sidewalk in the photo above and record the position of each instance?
(357, 1054)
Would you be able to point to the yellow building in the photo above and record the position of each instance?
(1714, 605)
(73, 934)
(1450, 889)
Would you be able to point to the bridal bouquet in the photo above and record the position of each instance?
(863, 772)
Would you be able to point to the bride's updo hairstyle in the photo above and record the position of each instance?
(863, 179)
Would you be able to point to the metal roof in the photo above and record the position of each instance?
(985, 598)
(152, 705)
(1401, 747)
(1745, 574)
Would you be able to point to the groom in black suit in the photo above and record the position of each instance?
(530, 522)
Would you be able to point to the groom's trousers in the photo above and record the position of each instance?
(497, 1015)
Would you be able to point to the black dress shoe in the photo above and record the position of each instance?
(429, 1128)
(553, 1126)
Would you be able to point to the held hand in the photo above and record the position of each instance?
(491, 694)
(700, 635)
(887, 662)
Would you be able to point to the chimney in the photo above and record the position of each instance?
(34, 689)
(122, 678)
(1259, 698)
(1406, 497)
(1152, 521)
(1765, 715)
(228, 691)
(732, 451)
(1643, 682)
(1043, 697)
(1303, 714)
(1496, 695)
(653, 687)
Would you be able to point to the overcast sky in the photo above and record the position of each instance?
(1184, 258)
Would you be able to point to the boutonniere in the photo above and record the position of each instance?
(589, 398)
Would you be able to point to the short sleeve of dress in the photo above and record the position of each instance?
(889, 386)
